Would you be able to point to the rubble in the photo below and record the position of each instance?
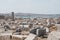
(28, 28)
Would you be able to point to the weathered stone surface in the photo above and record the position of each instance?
(55, 35)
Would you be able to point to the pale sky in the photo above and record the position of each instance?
(30, 6)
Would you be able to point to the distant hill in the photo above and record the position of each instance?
(22, 15)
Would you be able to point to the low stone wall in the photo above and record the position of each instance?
(12, 37)
(7, 37)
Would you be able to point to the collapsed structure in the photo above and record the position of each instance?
(27, 28)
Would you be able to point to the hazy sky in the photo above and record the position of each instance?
(30, 6)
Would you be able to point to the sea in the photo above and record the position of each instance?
(39, 15)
